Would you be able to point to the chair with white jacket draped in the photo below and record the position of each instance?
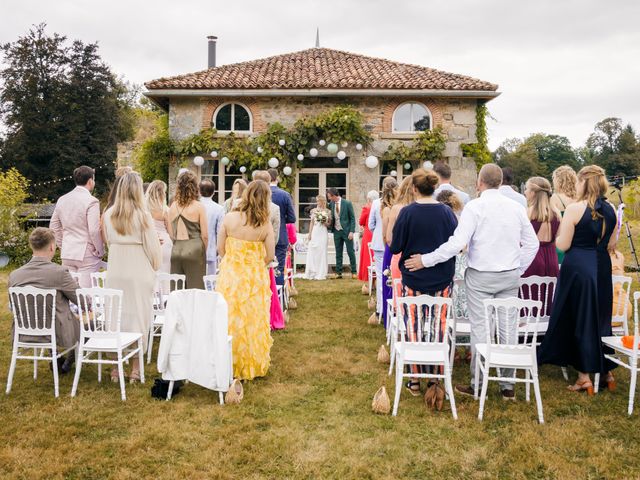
(195, 344)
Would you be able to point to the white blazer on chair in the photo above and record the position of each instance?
(195, 344)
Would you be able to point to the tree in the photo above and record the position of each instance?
(614, 147)
(62, 107)
(553, 150)
(524, 162)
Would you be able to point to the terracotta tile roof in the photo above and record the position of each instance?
(321, 68)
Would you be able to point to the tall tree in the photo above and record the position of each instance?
(63, 107)
(615, 147)
(553, 150)
(522, 157)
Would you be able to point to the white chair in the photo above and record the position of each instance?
(210, 282)
(542, 289)
(502, 350)
(431, 347)
(98, 279)
(461, 324)
(75, 276)
(34, 314)
(371, 269)
(619, 322)
(170, 281)
(625, 357)
(393, 318)
(101, 334)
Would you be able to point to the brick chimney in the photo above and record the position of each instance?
(212, 51)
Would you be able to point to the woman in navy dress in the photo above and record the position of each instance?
(575, 326)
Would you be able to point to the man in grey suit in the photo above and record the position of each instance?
(41, 272)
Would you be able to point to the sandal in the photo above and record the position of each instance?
(134, 377)
(582, 386)
(414, 388)
(115, 377)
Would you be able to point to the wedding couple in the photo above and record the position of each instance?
(341, 221)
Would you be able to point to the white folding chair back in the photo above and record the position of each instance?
(100, 333)
(461, 324)
(620, 314)
(165, 284)
(371, 269)
(430, 345)
(210, 282)
(98, 279)
(625, 357)
(75, 276)
(510, 345)
(392, 320)
(539, 288)
(34, 314)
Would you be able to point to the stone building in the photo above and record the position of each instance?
(397, 101)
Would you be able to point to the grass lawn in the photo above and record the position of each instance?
(310, 418)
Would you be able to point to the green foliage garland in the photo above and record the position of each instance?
(479, 150)
(428, 145)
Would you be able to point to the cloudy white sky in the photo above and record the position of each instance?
(562, 65)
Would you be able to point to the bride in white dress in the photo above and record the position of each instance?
(317, 263)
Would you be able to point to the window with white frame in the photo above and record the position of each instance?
(222, 176)
(411, 117)
(232, 117)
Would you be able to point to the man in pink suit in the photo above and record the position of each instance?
(76, 225)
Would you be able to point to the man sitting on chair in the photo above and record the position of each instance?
(41, 272)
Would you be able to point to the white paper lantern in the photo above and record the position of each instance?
(322, 143)
(287, 170)
(344, 144)
(371, 161)
(243, 169)
(273, 162)
(394, 173)
(224, 161)
(300, 157)
(427, 165)
(407, 166)
(281, 142)
(313, 152)
(198, 161)
(358, 146)
(341, 155)
(214, 154)
(332, 148)
(260, 150)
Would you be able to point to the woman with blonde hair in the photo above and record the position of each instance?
(238, 188)
(564, 180)
(188, 230)
(134, 258)
(545, 220)
(156, 197)
(578, 317)
(388, 199)
(246, 243)
(405, 197)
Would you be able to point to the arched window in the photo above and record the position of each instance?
(232, 117)
(411, 117)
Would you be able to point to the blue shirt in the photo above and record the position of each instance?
(287, 215)
(215, 214)
(422, 228)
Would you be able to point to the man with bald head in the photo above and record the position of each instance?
(501, 245)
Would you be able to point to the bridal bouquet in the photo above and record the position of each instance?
(321, 217)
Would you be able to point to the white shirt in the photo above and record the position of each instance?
(498, 234)
(509, 192)
(447, 186)
(375, 225)
(215, 213)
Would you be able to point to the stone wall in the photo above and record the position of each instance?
(456, 116)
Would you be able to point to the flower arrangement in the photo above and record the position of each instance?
(321, 216)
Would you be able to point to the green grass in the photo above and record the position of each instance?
(309, 418)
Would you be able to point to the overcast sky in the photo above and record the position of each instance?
(562, 65)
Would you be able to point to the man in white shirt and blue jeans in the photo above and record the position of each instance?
(501, 245)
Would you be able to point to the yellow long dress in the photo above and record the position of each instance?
(244, 282)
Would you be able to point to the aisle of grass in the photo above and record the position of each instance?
(310, 418)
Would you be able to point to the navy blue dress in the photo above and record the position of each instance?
(605, 285)
(573, 336)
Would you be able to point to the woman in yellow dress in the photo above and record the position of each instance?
(246, 244)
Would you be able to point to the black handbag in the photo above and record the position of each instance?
(161, 388)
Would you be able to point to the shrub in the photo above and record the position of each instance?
(13, 238)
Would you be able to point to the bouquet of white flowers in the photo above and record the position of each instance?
(321, 216)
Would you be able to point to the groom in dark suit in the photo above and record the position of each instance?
(343, 226)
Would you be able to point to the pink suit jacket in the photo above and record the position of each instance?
(76, 225)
